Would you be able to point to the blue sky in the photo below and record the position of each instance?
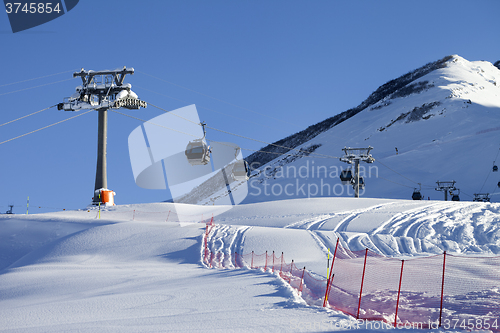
(262, 69)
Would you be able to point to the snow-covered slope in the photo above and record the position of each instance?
(445, 126)
(69, 271)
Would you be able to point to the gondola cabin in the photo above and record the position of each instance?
(361, 183)
(198, 152)
(495, 168)
(416, 195)
(240, 171)
(345, 177)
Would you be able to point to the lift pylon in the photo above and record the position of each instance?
(100, 91)
(356, 155)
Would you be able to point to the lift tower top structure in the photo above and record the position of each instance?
(100, 91)
(446, 186)
(356, 155)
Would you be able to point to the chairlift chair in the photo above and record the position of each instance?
(198, 151)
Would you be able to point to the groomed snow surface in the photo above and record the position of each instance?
(133, 271)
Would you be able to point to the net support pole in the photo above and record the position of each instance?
(265, 265)
(273, 261)
(251, 264)
(281, 267)
(302, 279)
(330, 278)
(442, 290)
(362, 280)
(399, 292)
(206, 243)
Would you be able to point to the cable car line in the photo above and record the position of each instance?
(400, 174)
(217, 99)
(42, 85)
(202, 107)
(492, 169)
(62, 121)
(149, 122)
(36, 78)
(260, 151)
(219, 142)
(394, 182)
(28, 115)
(245, 137)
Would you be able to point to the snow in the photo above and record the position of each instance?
(69, 270)
(138, 268)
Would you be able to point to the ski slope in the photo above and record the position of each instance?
(68, 271)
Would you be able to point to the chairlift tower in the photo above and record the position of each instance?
(100, 91)
(446, 186)
(356, 155)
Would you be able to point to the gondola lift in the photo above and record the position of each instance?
(240, 170)
(361, 183)
(455, 195)
(416, 195)
(346, 176)
(198, 151)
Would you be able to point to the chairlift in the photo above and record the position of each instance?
(198, 151)
(498, 184)
(346, 176)
(495, 168)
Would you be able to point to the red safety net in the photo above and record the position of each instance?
(447, 291)
(429, 292)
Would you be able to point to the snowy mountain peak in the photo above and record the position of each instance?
(439, 122)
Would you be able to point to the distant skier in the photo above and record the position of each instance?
(396, 150)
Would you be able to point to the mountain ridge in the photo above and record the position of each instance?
(269, 152)
(439, 126)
